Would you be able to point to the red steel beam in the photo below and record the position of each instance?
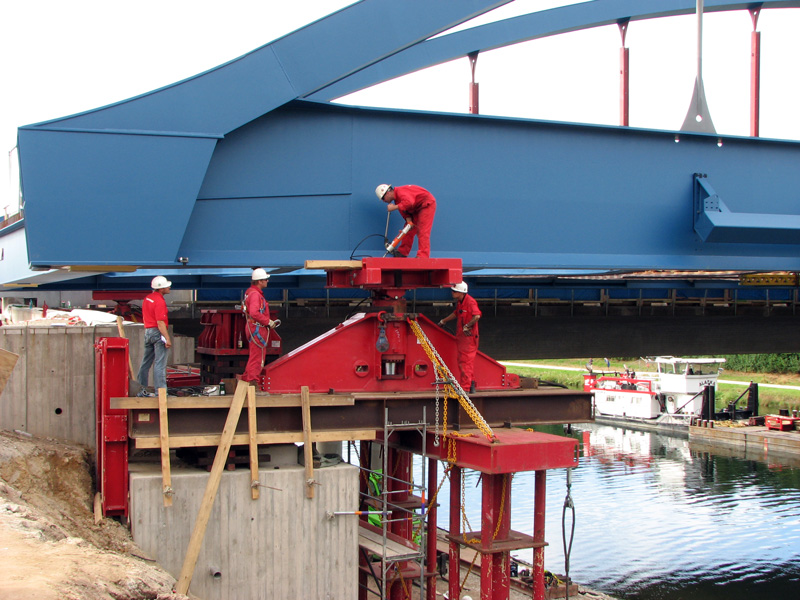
(514, 450)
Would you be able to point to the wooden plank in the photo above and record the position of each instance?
(242, 439)
(8, 361)
(122, 335)
(371, 539)
(262, 401)
(199, 531)
(251, 432)
(333, 265)
(163, 440)
(308, 453)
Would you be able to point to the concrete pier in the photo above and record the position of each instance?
(279, 546)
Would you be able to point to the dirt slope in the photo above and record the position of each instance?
(50, 546)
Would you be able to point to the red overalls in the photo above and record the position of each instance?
(467, 345)
(419, 204)
(256, 310)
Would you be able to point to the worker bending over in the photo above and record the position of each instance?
(467, 315)
(418, 207)
(256, 311)
(156, 335)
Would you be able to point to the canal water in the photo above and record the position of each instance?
(657, 518)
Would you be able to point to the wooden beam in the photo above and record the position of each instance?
(252, 431)
(243, 439)
(163, 442)
(199, 531)
(262, 401)
(308, 454)
(331, 265)
(123, 336)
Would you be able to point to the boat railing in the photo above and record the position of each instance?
(618, 382)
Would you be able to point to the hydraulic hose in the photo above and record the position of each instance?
(568, 505)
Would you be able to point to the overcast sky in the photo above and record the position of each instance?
(62, 57)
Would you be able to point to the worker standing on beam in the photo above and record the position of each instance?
(156, 335)
(418, 207)
(467, 315)
(256, 311)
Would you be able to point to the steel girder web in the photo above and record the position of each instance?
(152, 151)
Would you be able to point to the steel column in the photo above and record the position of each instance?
(430, 585)
(454, 569)
(495, 524)
(755, 73)
(111, 380)
(624, 75)
(473, 86)
(539, 500)
(398, 472)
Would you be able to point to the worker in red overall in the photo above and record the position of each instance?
(256, 310)
(418, 207)
(156, 336)
(467, 315)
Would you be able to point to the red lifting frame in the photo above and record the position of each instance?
(514, 450)
(111, 381)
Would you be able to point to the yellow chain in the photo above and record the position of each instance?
(444, 374)
(502, 506)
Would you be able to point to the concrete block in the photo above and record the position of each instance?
(281, 546)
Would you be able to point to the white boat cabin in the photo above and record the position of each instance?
(674, 389)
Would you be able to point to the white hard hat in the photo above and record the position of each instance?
(460, 287)
(381, 190)
(160, 282)
(259, 274)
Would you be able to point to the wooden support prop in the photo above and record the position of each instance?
(163, 438)
(252, 432)
(122, 335)
(199, 532)
(308, 452)
(98, 508)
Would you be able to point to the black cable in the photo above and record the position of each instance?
(385, 241)
(568, 504)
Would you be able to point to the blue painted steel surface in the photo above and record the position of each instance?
(234, 176)
(524, 28)
(715, 222)
(510, 193)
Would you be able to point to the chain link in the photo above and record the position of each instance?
(452, 388)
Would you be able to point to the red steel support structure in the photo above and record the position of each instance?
(624, 75)
(111, 380)
(473, 86)
(512, 451)
(755, 73)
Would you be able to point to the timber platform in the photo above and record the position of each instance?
(750, 441)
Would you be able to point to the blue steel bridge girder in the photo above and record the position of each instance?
(237, 172)
(524, 28)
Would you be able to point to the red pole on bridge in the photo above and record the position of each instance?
(624, 75)
(755, 73)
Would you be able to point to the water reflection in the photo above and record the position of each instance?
(660, 518)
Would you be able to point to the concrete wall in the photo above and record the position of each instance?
(279, 547)
(51, 391)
